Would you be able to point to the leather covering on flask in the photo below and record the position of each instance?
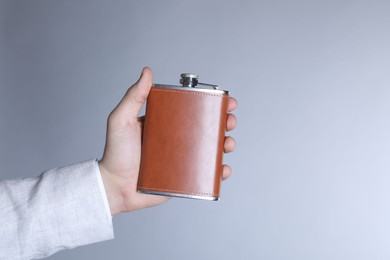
(183, 140)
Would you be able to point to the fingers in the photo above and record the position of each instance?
(231, 119)
(136, 95)
(231, 122)
(232, 104)
(229, 145)
(226, 172)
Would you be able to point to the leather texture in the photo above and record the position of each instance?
(183, 139)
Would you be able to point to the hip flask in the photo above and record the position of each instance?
(183, 138)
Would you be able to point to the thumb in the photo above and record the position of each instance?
(136, 95)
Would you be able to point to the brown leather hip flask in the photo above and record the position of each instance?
(183, 137)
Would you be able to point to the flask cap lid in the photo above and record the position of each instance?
(189, 80)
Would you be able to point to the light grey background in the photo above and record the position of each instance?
(312, 166)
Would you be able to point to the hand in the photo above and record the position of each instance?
(120, 164)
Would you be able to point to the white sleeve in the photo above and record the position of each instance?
(62, 208)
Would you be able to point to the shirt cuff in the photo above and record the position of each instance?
(62, 208)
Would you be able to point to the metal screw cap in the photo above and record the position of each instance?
(189, 80)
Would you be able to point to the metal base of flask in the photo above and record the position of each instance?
(186, 196)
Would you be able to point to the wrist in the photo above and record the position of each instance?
(112, 188)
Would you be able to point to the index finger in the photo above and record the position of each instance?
(232, 104)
